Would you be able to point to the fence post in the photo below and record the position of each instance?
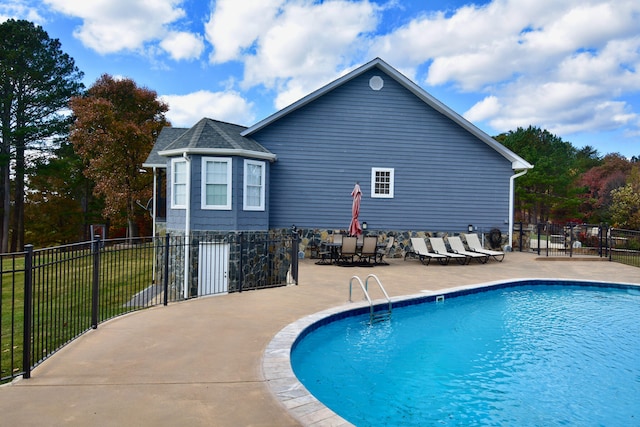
(240, 268)
(570, 240)
(539, 230)
(520, 237)
(28, 311)
(548, 235)
(294, 254)
(600, 245)
(166, 270)
(95, 248)
(610, 242)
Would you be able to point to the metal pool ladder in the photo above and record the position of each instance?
(374, 316)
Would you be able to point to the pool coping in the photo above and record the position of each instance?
(293, 395)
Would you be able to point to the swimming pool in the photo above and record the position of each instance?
(493, 364)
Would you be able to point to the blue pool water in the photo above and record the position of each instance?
(520, 356)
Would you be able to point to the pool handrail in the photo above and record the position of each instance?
(366, 294)
(366, 283)
(365, 288)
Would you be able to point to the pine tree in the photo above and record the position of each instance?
(37, 80)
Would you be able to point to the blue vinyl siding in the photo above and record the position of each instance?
(235, 219)
(445, 178)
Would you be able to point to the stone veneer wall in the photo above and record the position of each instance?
(256, 259)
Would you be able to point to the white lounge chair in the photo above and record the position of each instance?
(439, 247)
(474, 244)
(458, 247)
(419, 246)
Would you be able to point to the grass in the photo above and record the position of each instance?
(11, 314)
(631, 258)
(62, 292)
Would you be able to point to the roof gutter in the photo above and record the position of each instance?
(218, 152)
(512, 179)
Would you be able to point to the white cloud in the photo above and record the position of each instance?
(484, 109)
(114, 25)
(187, 110)
(183, 45)
(235, 26)
(553, 64)
(291, 47)
(19, 9)
(560, 107)
(571, 65)
(558, 65)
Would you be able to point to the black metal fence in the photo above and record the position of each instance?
(624, 246)
(49, 297)
(579, 240)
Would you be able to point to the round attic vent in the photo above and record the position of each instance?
(376, 83)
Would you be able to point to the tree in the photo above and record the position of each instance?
(116, 125)
(60, 204)
(37, 80)
(625, 202)
(597, 184)
(546, 192)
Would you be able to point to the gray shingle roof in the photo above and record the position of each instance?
(214, 137)
(166, 137)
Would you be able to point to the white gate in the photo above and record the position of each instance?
(213, 267)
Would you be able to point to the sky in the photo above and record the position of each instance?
(571, 67)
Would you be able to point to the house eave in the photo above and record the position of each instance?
(154, 165)
(219, 152)
(521, 165)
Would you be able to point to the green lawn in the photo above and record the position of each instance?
(62, 291)
(631, 258)
(11, 314)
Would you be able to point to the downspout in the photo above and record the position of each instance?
(187, 228)
(511, 203)
(155, 202)
(153, 218)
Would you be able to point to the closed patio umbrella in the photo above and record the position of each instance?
(354, 228)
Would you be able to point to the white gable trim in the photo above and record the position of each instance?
(517, 162)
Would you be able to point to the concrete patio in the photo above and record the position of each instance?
(198, 363)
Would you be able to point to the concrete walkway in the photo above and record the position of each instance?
(198, 363)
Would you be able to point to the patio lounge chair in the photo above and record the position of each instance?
(455, 242)
(385, 251)
(474, 245)
(368, 251)
(419, 246)
(439, 247)
(348, 249)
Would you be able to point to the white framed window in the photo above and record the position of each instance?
(178, 183)
(216, 183)
(382, 183)
(254, 176)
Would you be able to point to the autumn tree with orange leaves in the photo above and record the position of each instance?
(116, 125)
